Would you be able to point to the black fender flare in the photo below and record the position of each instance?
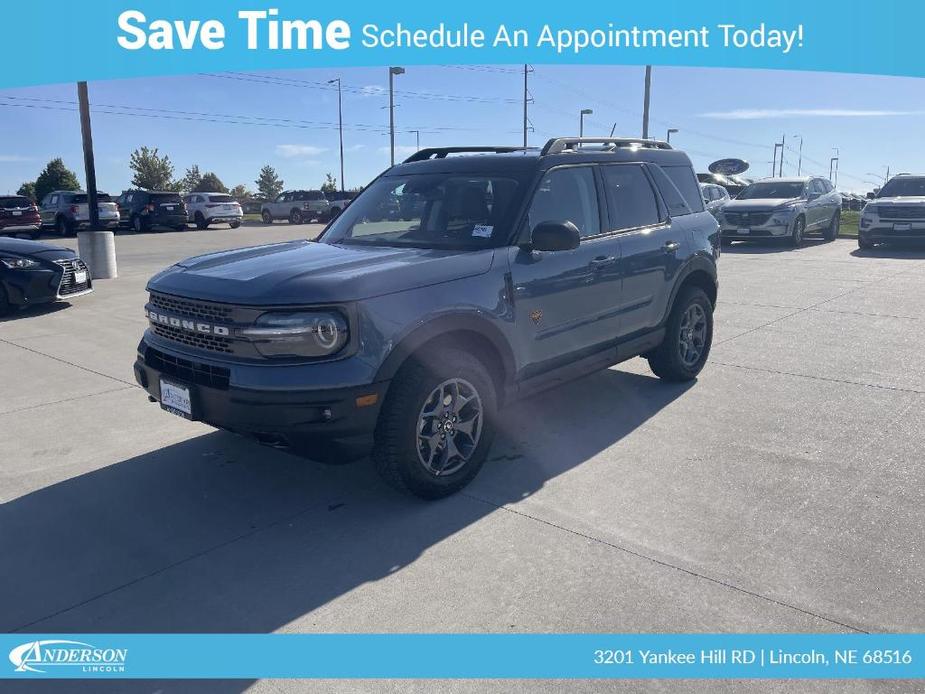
(697, 263)
(441, 325)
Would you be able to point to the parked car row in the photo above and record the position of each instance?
(299, 206)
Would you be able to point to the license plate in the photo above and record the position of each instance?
(17, 213)
(169, 207)
(176, 399)
(80, 276)
(745, 231)
(229, 208)
(902, 227)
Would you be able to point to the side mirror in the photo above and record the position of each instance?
(555, 236)
(870, 196)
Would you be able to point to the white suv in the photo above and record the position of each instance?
(896, 213)
(213, 208)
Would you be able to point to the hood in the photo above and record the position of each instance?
(307, 272)
(759, 204)
(34, 248)
(905, 200)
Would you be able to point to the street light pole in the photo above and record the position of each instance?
(526, 70)
(774, 163)
(783, 144)
(668, 136)
(340, 128)
(392, 72)
(86, 136)
(581, 120)
(800, 160)
(645, 102)
(417, 139)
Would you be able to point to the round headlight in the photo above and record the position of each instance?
(298, 334)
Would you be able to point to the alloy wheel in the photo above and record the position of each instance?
(693, 335)
(449, 427)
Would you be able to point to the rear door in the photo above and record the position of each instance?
(49, 209)
(565, 302)
(651, 246)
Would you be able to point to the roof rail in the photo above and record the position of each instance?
(441, 152)
(568, 144)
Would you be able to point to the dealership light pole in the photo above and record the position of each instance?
(581, 120)
(392, 72)
(340, 128)
(417, 139)
(800, 160)
(97, 248)
(783, 145)
(833, 168)
(645, 102)
(774, 163)
(668, 134)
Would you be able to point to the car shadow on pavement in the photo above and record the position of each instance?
(35, 311)
(218, 534)
(764, 246)
(905, 252)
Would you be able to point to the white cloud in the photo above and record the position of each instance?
(775, 113)
(372, 90)
(298, 151)
(14, 158)
(354, 148)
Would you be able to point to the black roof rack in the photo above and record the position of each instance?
(569, 144)
(441, 152)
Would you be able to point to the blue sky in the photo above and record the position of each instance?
(234, 123)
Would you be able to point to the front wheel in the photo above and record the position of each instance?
(266, 217)
(831, 232)
(295, 217)
(234, 225)
(437, 424)
(799, 227)
(201, 222)
(865, 244)
(688, 338)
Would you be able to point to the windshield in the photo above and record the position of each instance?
(221, 198)
(429, 211)
(905, 187)
(165, 198)
(772, 189)
(81, 198)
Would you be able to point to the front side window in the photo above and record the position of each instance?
(452, 211)
(567, 194)
(630, 197)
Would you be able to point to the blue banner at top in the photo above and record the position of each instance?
(107, 39)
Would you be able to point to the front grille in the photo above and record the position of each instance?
(68, 285)
(188, 371)
(194, 309)
(747, 219)
(902, 211)
(213, 343)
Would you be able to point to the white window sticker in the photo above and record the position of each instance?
(482, 231)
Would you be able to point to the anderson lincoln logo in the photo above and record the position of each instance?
(41, 656)
(183, 324)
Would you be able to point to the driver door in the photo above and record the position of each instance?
(566, 302)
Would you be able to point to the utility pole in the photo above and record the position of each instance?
(783, 144)
(417, 139)
(645, 103)
(340, 128)
(833, 168)
(526, 97)
(774, 163)
(392, 72)
(800, 160)
(97, 248)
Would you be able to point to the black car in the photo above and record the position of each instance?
(39, 273)
(519, 269)
(144, 210)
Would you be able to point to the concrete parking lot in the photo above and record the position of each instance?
(784, 491)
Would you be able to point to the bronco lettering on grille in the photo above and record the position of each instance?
(184, 324)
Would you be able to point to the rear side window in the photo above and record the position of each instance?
(220, 198)
(630, 197)
(14, 203)
(686, 182)
(567, 194)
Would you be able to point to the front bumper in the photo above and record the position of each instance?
(30, 228)
(31, 287)
(108, 223)
(766, 231)
(336, 421)
(882, 232)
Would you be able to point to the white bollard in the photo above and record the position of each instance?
(98, 250)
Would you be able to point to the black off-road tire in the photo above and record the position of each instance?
(395, 450)
(831, 232)
(665, 361)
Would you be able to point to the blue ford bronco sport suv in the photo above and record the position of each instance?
(509, 270)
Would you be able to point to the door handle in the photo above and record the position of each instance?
(603, 261)
(671, 246)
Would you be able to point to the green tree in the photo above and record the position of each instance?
(330, 184)
(27, 190)
(269, 184)
(210, 183)
(240, 192)
(151, 170)
(191, 179)
(55, 176)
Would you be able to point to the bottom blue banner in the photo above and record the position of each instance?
(443, 656)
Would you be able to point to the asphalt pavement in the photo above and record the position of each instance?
(783, 491)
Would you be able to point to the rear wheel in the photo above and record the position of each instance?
(831, 232)
(865, 244)
(688, 338)
(235, 224)
(63, 227)
(267, 217)
(436, 425)
(200, 221)
(138, 225)
(296, 217)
